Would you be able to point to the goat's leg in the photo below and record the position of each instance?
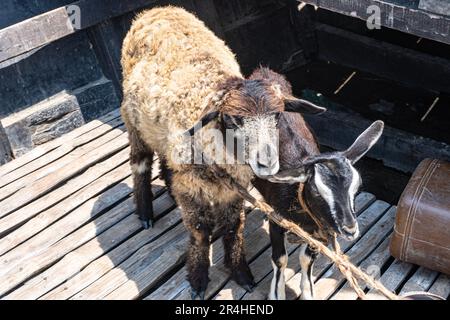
(307, 257)
(141, 159)
(233, 243)
(279, 262)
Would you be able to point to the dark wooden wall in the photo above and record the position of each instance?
(55, 78)
(82, 70)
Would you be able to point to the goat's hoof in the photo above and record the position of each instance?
(248, 287)
(200, 294)
(147, 224)
(306, 297)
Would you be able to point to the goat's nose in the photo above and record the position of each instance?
(351, 229)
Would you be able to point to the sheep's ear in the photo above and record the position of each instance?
(292, 104)
(290, 176)
(364, 142)
(207, 118)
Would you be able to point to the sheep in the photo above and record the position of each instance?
(178, 76)
(327, 183)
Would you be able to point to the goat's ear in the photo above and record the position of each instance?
(290, 176)
(292, 104)
(364, 142)
(207, 118)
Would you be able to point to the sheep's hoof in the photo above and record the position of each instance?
(244, 278)
(146, 224)
(199, 294)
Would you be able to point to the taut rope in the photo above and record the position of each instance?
(349, 270)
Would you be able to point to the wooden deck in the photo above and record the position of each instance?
(67, 231)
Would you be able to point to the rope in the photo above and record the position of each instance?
(349, 270)
(353, 282)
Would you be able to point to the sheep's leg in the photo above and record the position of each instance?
(198, 260)
(198, 219)
(279, 262)
(141, 159)
(307, 257)
(166, 174)
(233, 242)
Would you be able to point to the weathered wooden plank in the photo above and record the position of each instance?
(392, 278)
(441, 286)
(256, 240)
(66, 216)
(402, 17)
(73, 221)
(34, 32)
(421, 280)
(71, 168)
(76, 185)
(261, 266)
(365, 220)
(332, 279)
(56, 115)
(19, 245)
(49, 146)
(50, 157)
(47, 120)
(58, 23)
(436, 6)
(17, 272)
(386, 60)
(97, 97)
(98, 244)
(157, 258)
(95, 269)
(60, 164)
(372, 265)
